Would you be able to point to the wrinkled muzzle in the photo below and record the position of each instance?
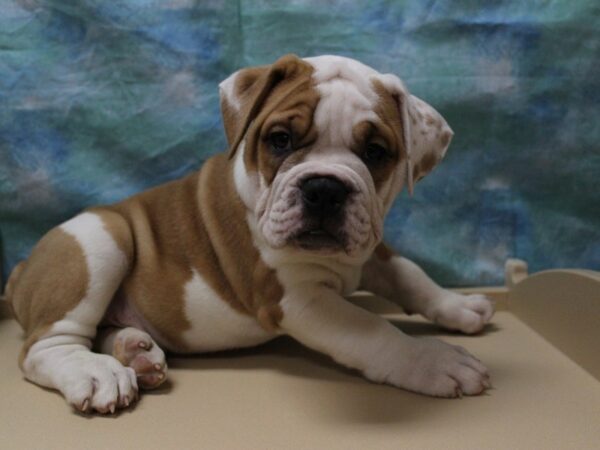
(324, 208)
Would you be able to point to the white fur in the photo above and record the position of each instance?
(105, 263)
(214, 324)
(346, 98)
(227, 91)
(331, 67)
(280, 210)
(247, 184)
(61, 358)
(324, 321)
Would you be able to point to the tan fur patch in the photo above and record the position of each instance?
(253, 86)
(195, 223)
(384, 252)
(391, 128)
(291, 109)
(253, 287)
(267, 294)
(230, 118)
(433, 154)
(40, 296)
(445, 139)
(295, 158)
(166, 239)
(427, 163)
(281, 95)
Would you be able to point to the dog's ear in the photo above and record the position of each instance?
(425, 134)
(243, 94)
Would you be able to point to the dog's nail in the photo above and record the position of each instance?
(161, 376)
(85, 405)
(157, 366)
(142, 344)
(126, 401)
(112, 408)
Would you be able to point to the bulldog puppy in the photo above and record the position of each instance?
(264, 240)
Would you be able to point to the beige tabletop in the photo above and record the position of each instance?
(283, 396)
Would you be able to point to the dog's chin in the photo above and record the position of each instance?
(318, 241)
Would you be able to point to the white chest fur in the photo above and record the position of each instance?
(214, 324)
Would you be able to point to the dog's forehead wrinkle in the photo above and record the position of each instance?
(359, 91)
(329, 66)
(343, 104)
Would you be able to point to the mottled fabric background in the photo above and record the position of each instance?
(101, 99)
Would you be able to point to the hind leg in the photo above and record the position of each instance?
(59, 299)
(136, 349)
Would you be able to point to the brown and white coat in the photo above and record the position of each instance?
(228, 257)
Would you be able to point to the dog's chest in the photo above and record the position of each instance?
(213, 323)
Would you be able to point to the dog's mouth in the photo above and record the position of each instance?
(318, 239)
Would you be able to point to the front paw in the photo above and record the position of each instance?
(466, 313)
(435, 368)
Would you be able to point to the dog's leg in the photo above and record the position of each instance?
(136, 349)
(60, 297)
(325, 321)
(402, 281)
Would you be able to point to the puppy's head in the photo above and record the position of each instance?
(322, 146)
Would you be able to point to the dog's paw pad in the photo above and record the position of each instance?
(136, 349)
(151, 371)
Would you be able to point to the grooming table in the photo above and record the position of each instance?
(542, 349)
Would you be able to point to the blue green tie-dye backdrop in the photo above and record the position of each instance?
(100, 99)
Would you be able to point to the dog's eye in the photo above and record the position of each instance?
(281, 141)
(374, 154)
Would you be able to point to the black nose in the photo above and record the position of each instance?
(323, 196)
